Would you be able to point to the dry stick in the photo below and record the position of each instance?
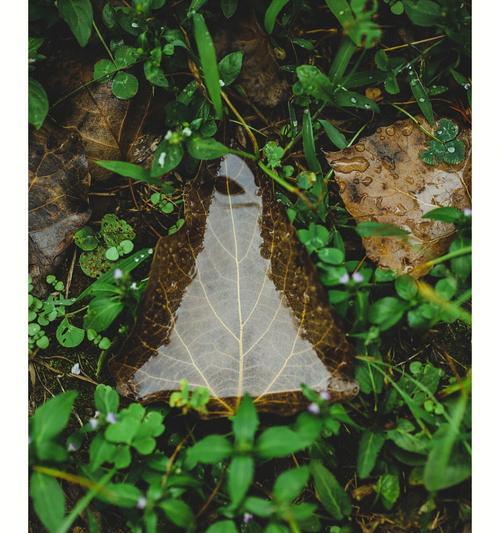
(171, 460)
(392, 48)
(249, 132)
(213, 493)
(69, 277)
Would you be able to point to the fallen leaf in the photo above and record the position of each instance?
(233, 304)
(383, 179)
(59, 181)
(111, 129)
(260, 74)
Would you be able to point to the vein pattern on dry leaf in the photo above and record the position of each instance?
(233, 305)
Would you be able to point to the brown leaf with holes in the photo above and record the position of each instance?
(233, 305)
(110, 128)
(59, 181)
(260, 74)
(383, 179)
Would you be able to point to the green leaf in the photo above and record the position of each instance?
(240, 477)
(290, 484)
(68, 335)
(332, 256)
(315, 83)
(245, 422)
(379, 229)
(167, 157)
(421, 96)
(106, 399)
(123, 431)
(129, 170)
(386, 312)
(102, 312)
(424, 12)
(445, 214)
(309, 145)
(78, 16)
(230, 67)
(335, 136)
(388, 488)
(48, 500)
(369, 448)
(272, 12)
(205, 149)
(101, 451)
(329, 492)
(121, 494)
(38, 103)
(85, 239)
(229, 7)
(352, 99)
(210, 450)
(154, 74)
(454, 152)
(446, 130)
(279, 441)
(406, 287)
(259, 506)
(224, 526)
(208, 60)
(178, 512)
(125, 85)
(103, 68)
(51, 417)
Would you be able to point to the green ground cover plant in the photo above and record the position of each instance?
(397, 457)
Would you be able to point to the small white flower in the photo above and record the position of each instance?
(358, 277)
(72, 447)
(247, 517)
(141, 502)
(161, 159)
(344, 279)
(150, 251)
(221, 83)
(93, 423)
(111, 418)
(134, 25)
(168, 135)
(75, 369)
(467, 212)
(133, 286)
(324, 395)
(313, 408)
(187, 132)
(117, 273)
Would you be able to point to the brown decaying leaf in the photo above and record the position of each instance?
(260, 74)
(383, 179)
(110, 128)
(59, 181)
(233, 305)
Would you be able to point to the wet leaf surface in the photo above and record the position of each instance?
(260, 73)
(233, 305)
(383, 179)
(59, 181)
(111, 129)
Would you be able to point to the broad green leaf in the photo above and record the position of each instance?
(224, 526)
(278, 441)
(369, 448)
(210, 450)
(167, 157)
(388, 489)
(229, 7)
(208, 60)
(379, 229)
(421, 96)
(239, 478)
(290, 484)
(121, 494)
(333, 256)
(129, 170)
(424, 12)
(259, 506)
(335, 136)
(406, 287)
(205, 149)
(272, 12)
(68, 335)
(386, 312)
(445, 214)
(446, 130)
(48, 500)
(106, 399)
(103, 68)
(78, 16)
(101, 451)
(154, 74)
(38, 103)
(245, 422)
(315, 83)
(51, 417)
(178, 512)
(329, 492)
(125, 85)
(230, 66)
(356, 100)
(102, 312)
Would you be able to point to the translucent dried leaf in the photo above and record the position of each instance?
(233, 305)
(383, 179)
(59, 181)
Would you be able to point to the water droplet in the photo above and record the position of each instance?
(341, 12)
(353, 100)
(367, 106)
(421, 99)
(439, 132)
(467, 86)
(451, 149)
